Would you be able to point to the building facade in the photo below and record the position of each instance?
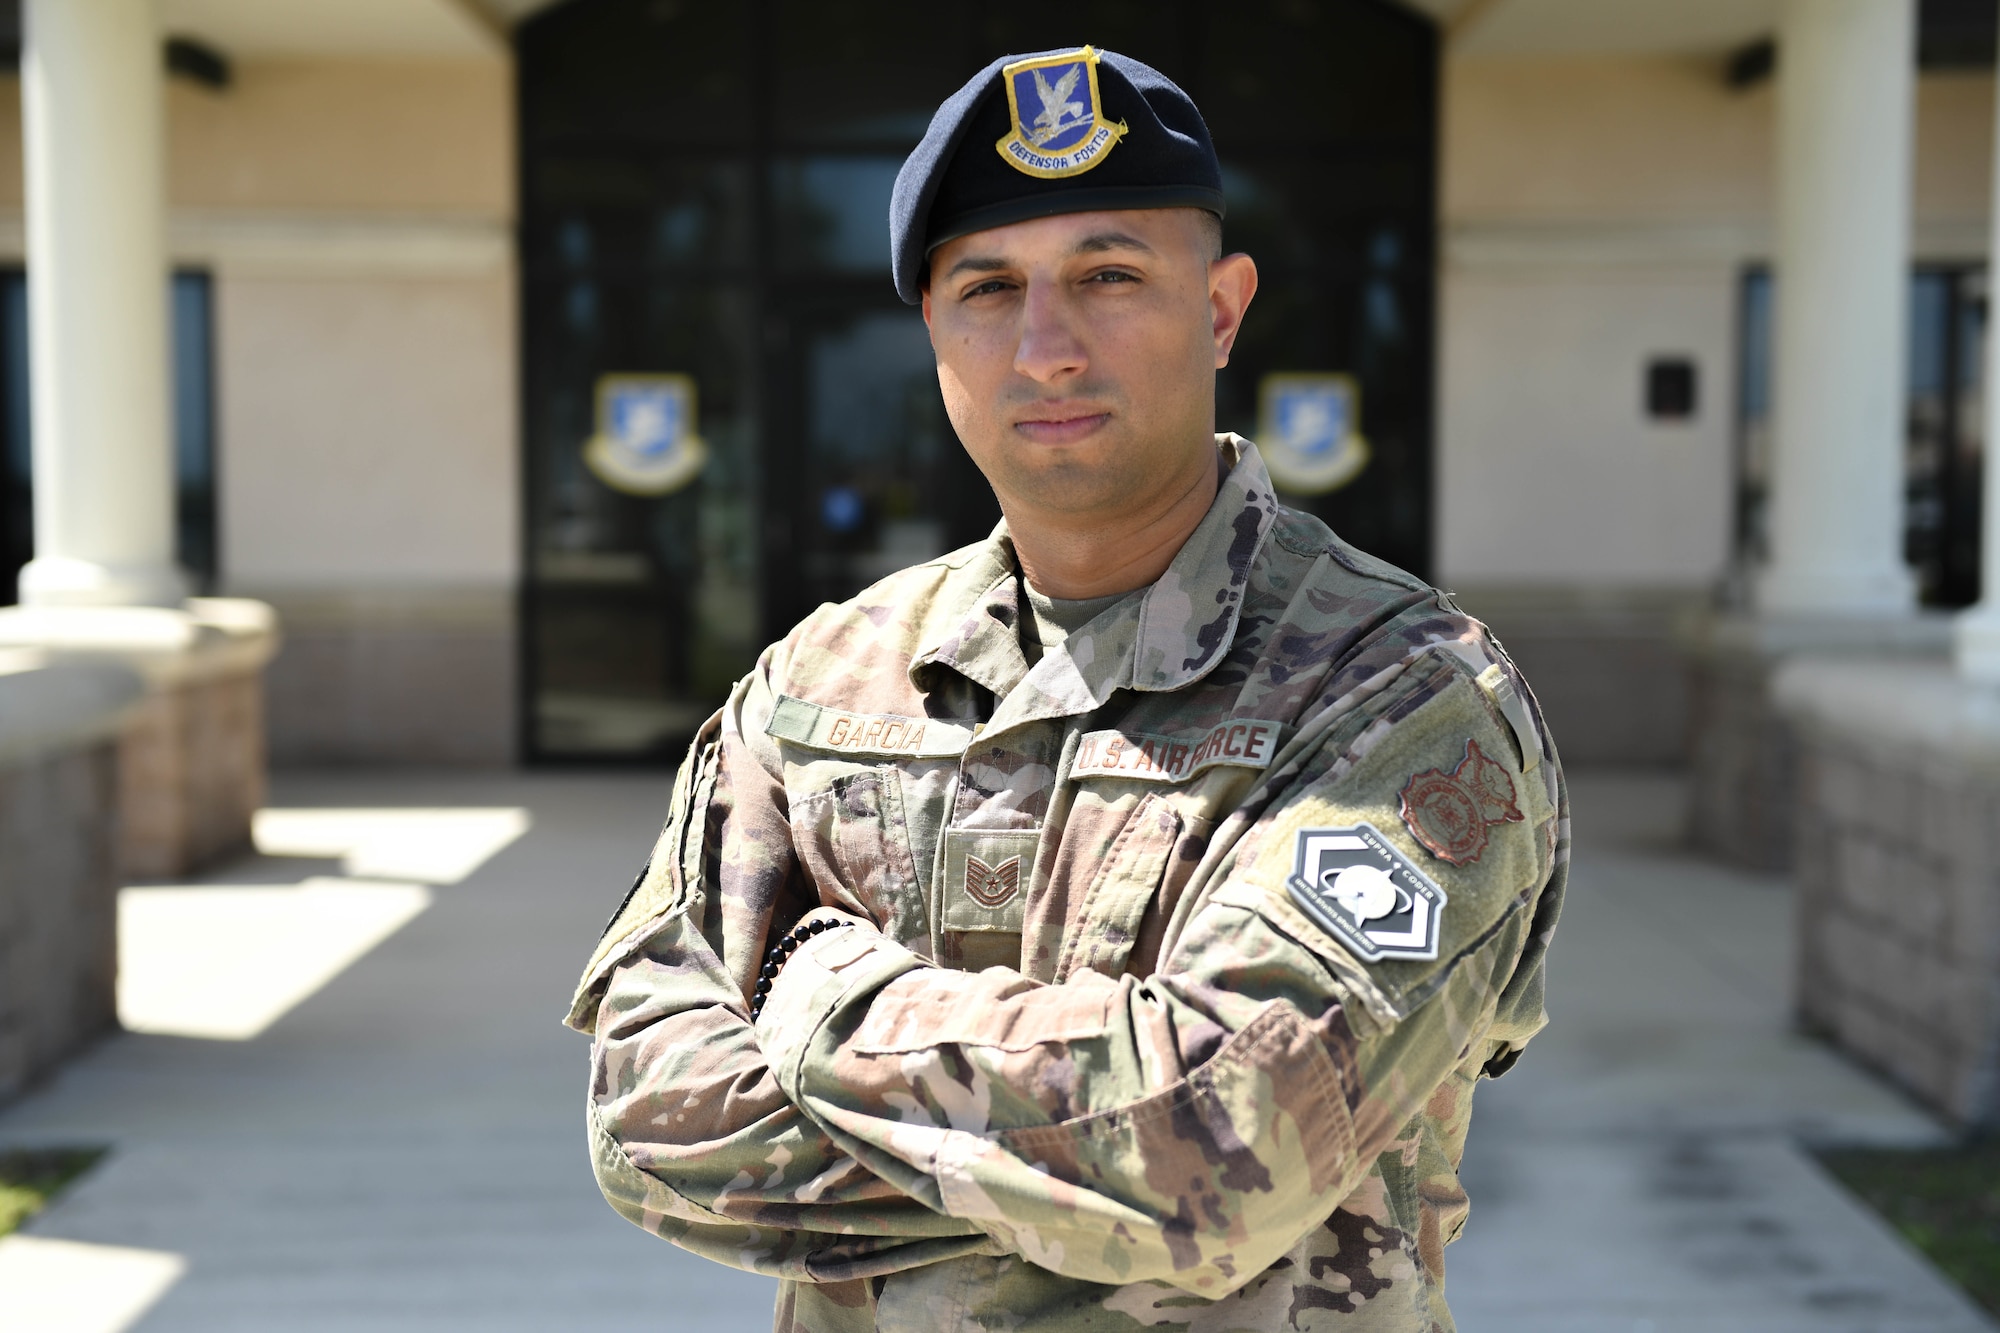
(428, 253)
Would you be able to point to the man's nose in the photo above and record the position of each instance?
(1049, 348)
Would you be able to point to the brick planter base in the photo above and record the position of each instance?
(1898, 869)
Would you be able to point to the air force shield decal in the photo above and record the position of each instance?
(1366, 894)
(1309, 431)
(645, 442)
(1058, 124)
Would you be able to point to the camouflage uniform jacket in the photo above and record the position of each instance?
(1084, 1060)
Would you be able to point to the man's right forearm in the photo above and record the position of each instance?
(693, 1140)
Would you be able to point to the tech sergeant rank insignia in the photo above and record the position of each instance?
(1366, 894)
(1057, 118)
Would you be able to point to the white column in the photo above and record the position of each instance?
(92, 112)
(1846, 83)
(1977, 630)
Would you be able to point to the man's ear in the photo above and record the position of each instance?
(1232, 282)
(927, 305)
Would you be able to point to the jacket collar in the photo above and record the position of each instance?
(1167, 638)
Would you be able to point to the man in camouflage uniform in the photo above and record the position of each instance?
(1152, 881)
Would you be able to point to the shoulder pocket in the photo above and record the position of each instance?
(1422, 843)
(1104, 931)
(674, 865)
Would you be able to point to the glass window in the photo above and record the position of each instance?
(196, 543)
(1943, 422)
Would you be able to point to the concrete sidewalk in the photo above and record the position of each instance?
(404, 1149)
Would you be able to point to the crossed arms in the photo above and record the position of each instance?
(1186, 1127)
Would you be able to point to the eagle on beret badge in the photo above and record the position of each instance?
(1057, 119)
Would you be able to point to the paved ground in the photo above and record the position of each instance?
(403, 1150)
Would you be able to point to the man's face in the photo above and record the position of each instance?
(1077, 354)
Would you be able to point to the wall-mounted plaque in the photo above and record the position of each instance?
(645, 442)
(1309, 431)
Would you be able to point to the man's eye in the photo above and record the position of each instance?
(1113, 275)
(983, 289)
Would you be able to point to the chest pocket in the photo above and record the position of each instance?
(854, 842)
(1121, 893)
(983, 891)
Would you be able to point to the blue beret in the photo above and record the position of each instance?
(1075, 131)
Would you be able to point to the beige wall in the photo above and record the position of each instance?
(426, 137)
(357, 216)
(1599, 211)
(1662, 139)
(346, 136)
(369, 429)
(1582, 139)
(1550, 472)
(364, 337)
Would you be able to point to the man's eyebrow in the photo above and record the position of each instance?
(976, 264)
(1100, 241)
(1095, 243)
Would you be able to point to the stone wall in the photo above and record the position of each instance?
(1605, 664)
(395, 676)
(58, 858)
(1744, 762)
(191, 757)
(1898, 871)
(1742, 754)
(191, 774)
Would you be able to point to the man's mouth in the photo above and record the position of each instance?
(1061, 427)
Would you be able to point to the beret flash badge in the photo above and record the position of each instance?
(1366, 894)
(1449, 813)
(1058, 121)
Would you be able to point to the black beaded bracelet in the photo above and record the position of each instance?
(775, 956)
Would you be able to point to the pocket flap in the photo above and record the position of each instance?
(986, 878)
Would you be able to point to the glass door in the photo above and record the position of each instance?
(728, 416)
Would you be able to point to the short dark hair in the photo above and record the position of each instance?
(1211, 228)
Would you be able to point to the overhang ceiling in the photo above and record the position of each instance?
(410, 29)
(250, 29)
(1578, 27)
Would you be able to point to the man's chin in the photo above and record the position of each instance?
(1073, 490)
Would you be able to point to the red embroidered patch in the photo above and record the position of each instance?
(1449, 813)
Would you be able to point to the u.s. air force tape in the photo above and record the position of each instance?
(821, 728)
(1120, 754)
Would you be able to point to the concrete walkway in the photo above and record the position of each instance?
(403, 1149)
